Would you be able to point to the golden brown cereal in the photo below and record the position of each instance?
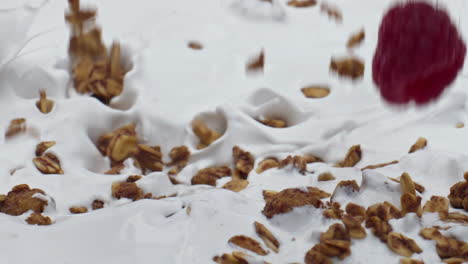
(315, 91)
(17, 126)
(257, 63)
(268, 238)
(78, 210)
(195, 45)
(267, 164)
(353, 156)
(128, 190)
(20, 200)
(356, 39)
(204, 133)
(325, 176)
(420, 144)
(149, 158)
(210, 175)
(249, 244)
(402, 245)
(348, 67)
(43, 146)
(302, 3)
(38, 219)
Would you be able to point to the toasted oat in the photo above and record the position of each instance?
(431, 233)
(454, 260)
(380, 165)
(448, 247)
(325, 176)
(332, 12)
(48, 164)
(17, 126)
(437, 204)
(350, 67)
(356, 39)
(115, 169)
(459, 195)
(267, 164)
(393, 211)
(243, 161)
(302, 3)
(459, 125)
(179, 158)
(149, 158)
(43, 146)
(97, 204)
(210, 175)
(379, 227)
(236, 185)
(204, 133)
(43, 104)
(354, 227)
(349, 185)
(407, 184)
(128, 190)
(268, 238)
(276, 123)
(195, 45)
(38, 219)
(287, 199)
(356, 210)
(381, 210)
(78, 210)
(249, 244)
(235, 257)
(256, 64)
(411, 261)
(20, 200)
(410, 203)
(420, 144)
(457, 217)
(336, 231)
(268, 195)
(123, 144)
(334, 248)
(402, 245)
(353, 156)
(333, 211)
(417, 186)
(315, 91)
(315, 257)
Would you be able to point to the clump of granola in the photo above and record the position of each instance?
(128, 189)
(459, 194)
(335, 242)
(447, 248)
(22, 199)
(179, 158)
(267, 164)
(402, 245)
(210, 175)
(243, 162)
(38, 219)
(204, 133)
(148, 158)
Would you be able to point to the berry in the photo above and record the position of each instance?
(419, 53)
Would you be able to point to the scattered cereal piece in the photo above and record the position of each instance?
(325, 176)
(354, 227)
(210, 175)
(411, 261)
(149, 158)
(332, 12)
(43, 146)
(353, 156)
(120, 144)
(410, 203)
(407, 185)
(333, 211)
(336, 231)
(128, 190)
(356, 211)
(235, 257)
(204, 134)
(97, 204)
(48, 164)
(276, 123)
(356, 39)
(402, 245)
(243, 161)
(348, 67)
(459, 195)
(315, 257)
(437, 204)
(418, 186)
(115, 169)
(236, 185)
(380, 228)
(43, 104)
(179, 158)
(334, 248)
(38, 219)
(267, 164)
(195, 45)
(380, 165)
(420, 144)
(268, 238)
(315, 91)
(20, 200)
(256, 64)
(78, 210)
(302, 3)
(457, 217)
(249, 244)
(17, 126)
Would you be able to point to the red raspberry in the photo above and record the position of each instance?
(419, 53)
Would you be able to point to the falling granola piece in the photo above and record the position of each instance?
(325, 176)
(249, 244)
(410, 203)
(236, 185)
(354, 227)
(128, 190)
(243, 161)
(380, 165)
(210, 175)
(43, 104)
(179, 158)
(17, 126)
(315, 257)
(78, 210)
(97, 204)
(315, 91)
(402, 245)
(267, 164)
(459, 195)
(407, 184)
(204, 134)
(420, 144)
(149, 158)
(348, 67)
(411, 261)
(38, 219)
(268, 238)
(276, 123)
(331, 11)
(356, 39)
(195, 45)
(48, 164)
(437, 204)
(43, 146)
(22, 199)
(353, 156)
(459, 125)
(286, 200)
(256, 64)
(302, 3)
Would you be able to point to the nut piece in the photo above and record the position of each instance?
(16, 127)
(97, 204)
(256, 64)
(204, 134)
(179, 158)
(43, 104)
(128, 190)
(78, 210)
(402, 245)
(380, 165)
(356, 39)
(459, 195)
(354, 227)
(43, 146)
(267, 164)
(420, 144)
(325, 176)
(149, 158)
(38, 219)
(315, 257)
(353, 156)
(210, 175)
(407, 185)
(276, 122)
(20, 200)
(302, 3)
(268, 238)
(249, 244)
(348, 67)
(332, 12)
(243, 161)
(287, 199)
(236, 185)
(438, 204)
(195, 45)
(315, 91)
(410, 203)
(48, 164)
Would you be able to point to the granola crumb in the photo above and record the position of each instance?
(78, 210)
(38, 219)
